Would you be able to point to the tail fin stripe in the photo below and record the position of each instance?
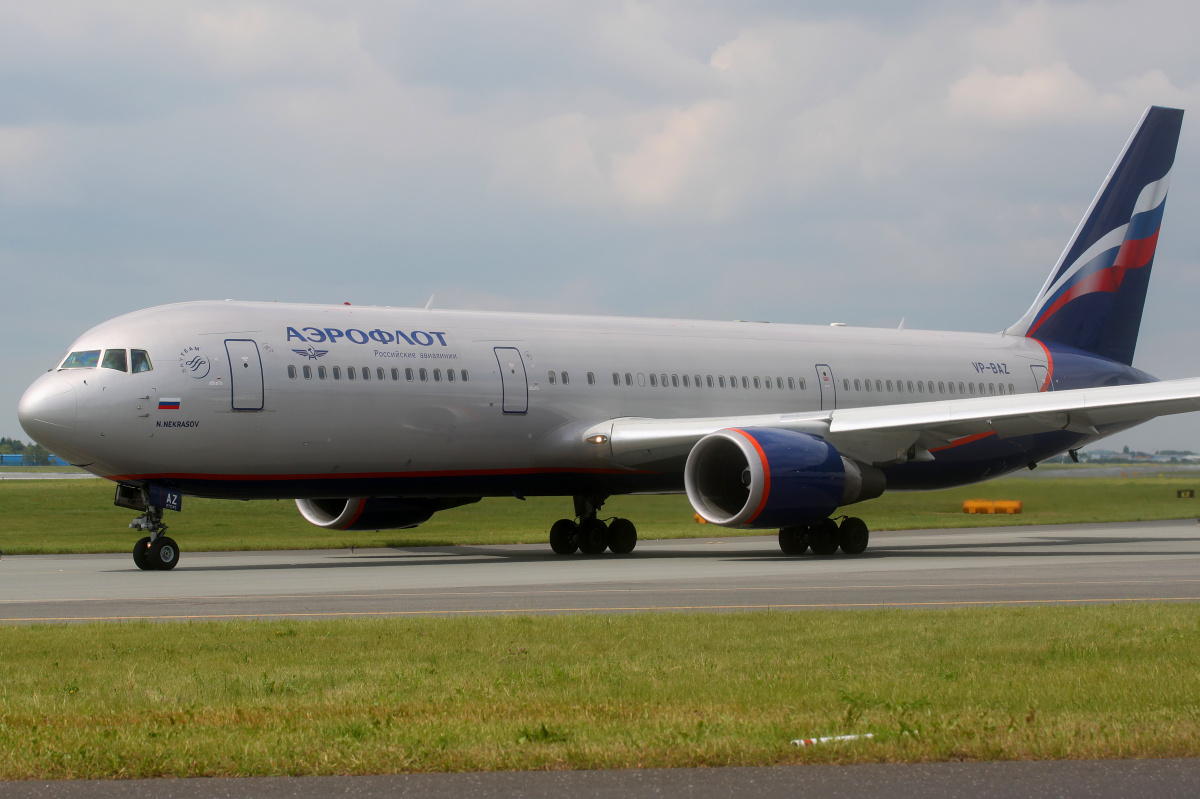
(1134, 251)
(1132, 254)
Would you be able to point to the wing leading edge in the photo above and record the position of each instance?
(889, 434)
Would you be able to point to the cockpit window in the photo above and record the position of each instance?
(84, 359)
(114, 359)
(141, 361)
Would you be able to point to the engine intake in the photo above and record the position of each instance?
(770, 478)
(375, 513)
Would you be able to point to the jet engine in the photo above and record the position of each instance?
(770, 478)
(375, 513)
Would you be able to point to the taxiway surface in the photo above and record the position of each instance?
(1138, 562)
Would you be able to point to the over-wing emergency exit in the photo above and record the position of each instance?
(377, 418)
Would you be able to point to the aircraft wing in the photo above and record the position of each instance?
(886, 434)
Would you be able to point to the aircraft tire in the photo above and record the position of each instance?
(622, 537)
(592, 537)
(562, 537)
(791, 541)
(163, 554)
(853, 535)
(823, 537)
(139, 554)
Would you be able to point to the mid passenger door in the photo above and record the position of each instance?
(513, 380)
(827, 386)
(245, 374)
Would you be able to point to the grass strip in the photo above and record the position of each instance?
(66, 516)
(589, 691)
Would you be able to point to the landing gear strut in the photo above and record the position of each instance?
(826, 537)
(590, 535)
(157, 551)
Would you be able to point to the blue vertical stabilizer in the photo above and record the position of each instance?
(1093, 298)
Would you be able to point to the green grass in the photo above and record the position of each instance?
(61, 516)
(586, 691)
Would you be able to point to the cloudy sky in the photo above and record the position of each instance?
(792, 162)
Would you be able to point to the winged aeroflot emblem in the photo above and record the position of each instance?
(311, 353)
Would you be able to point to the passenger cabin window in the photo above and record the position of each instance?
(463, 374)
(721, 381)
(617, 379)
(351, 373)
(696, 380)
(675, 381)
(308, 373)
(140, 360)
(379, 372)
(686, 382)
(792, 383)
(857, 385)
(550, 377)
(766, 382)
(879, 385)
(566, 378)
(663, 380)
(337, 373)
(321, 372)
(708, 381)
(291, 372)
(591, 378)
(408, 375)
(114, 359)
(395, 373)
(628, 379)
(653, 383)
(84, 359)
(424, 375)
(437, 375)
(745, 382)
(366, 373)
(803, 384)
(450, 375)
(846, 383)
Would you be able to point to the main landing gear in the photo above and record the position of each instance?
(826, 537)
(590, 535)
(155, 552)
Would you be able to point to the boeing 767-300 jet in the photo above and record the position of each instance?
(376, 418)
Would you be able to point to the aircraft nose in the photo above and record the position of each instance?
(48, 411)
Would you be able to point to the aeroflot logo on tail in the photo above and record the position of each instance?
(332, 335)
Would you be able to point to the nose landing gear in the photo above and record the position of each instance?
(590, 535)
(157, 551)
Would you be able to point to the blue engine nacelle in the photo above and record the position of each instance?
(375, 513)
(768, 478)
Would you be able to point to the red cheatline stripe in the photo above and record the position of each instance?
(958, 442)
(1133, 254)
(766, 467)
(368, 475)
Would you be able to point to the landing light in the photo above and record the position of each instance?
(600, 439)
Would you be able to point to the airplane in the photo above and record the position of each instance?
(376, 418)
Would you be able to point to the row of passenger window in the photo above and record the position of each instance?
(927, 387)
(353, 373)
(687, 381)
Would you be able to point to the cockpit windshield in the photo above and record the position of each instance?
(141, 361)
(119, 360)
(114, 359)
(83, 359)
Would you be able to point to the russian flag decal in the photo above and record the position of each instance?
(166, 404)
